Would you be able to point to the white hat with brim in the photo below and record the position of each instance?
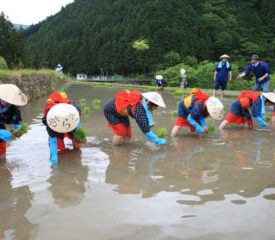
(11, 94)
(270, 96)
(224, 56)
(215, 108)
(63, 118)
(155, 98)
(159, 77)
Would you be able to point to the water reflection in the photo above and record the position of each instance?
(67, 182)
(14, 203)
(191, 169)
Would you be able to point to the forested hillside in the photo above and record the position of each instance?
(88, 35)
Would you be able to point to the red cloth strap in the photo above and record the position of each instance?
(245, 97)
(127, 98)
(201, 96)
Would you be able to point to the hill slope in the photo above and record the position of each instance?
(88, 35)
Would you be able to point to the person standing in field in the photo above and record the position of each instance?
(222, 74)
(261, 71)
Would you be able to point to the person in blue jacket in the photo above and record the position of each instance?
(239, 111)
(222, 74)
(160, 84)
(193, 110)
(261, 71)
(11, 97)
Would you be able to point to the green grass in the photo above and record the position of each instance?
(162, 132)
(96, 103)
(24, 129)
(178, 92)
(174, 113)
(4, 74)
(80, 135)
(82, 102)
(87, 110)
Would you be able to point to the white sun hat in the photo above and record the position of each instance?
(155, 98)
(13, 95)
(159, 77)
(270, 96)
(63, 118)
(182, 71)
(215, 108)
(224, 56)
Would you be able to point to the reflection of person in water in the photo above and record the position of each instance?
(68, 180)
(130, 176)
(14, 203)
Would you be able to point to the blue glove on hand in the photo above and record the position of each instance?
(54, 150)
(194, 123)
(153, 138)
(5, 135)
(17, 126)
(203, 122)
(261, 121)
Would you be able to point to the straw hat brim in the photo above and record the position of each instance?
(270, 96)
(13, 95)
(155, 98)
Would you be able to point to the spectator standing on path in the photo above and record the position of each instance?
(222, 74)
(183, 83)
(261, 71)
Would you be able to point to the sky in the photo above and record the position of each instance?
(30, 11)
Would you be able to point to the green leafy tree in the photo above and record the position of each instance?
(11, 43)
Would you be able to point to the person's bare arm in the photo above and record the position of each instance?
(242, 75)
(230, 75)
(263, 77)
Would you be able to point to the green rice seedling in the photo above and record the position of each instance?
(268, 118)
(162, 132)
(97, 103)
(24, 129)
(82, 102)
(212, 128)
(87, 110)
(174, 113)
(80, 135)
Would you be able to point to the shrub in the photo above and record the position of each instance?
(3, 63)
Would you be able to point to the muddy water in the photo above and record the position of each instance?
(218, 187)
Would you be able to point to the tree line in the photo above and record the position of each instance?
(91, 35)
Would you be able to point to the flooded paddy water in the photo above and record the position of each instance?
(217, 187)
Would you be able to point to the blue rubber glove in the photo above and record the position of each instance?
(261, 121)
(203, 122)
(153, 138)
(54, 150)
(2, 110)
(5, 135)
(17, 126)
(194, 123)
